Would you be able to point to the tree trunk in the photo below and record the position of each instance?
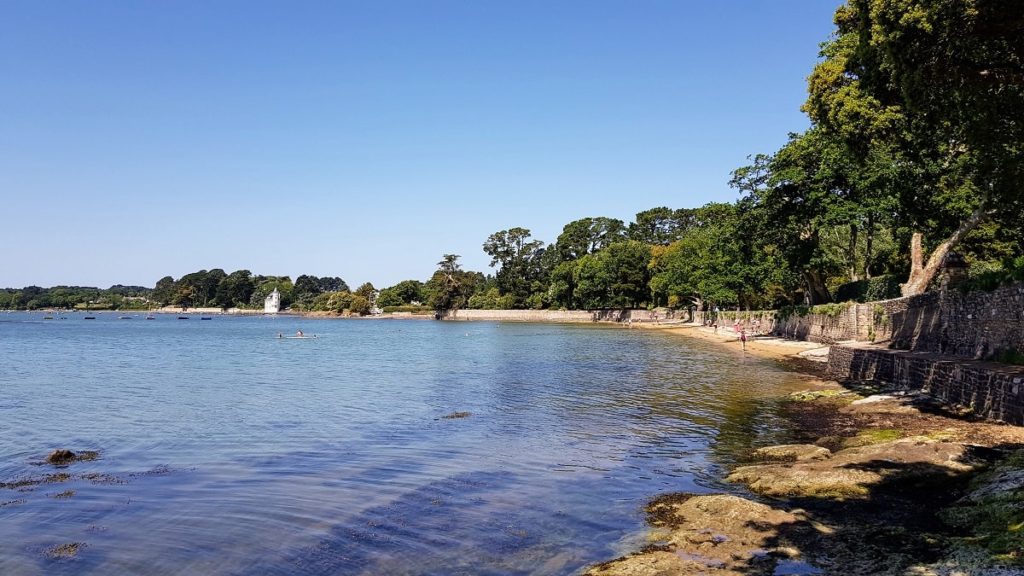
(853, 252)
(697, 305)
(817, 293)
(869, 240)
(921, 274)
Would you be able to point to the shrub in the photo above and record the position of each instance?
(408, 308)
(831, 310)
(878, 288)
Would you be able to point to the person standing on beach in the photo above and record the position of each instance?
(743, 339)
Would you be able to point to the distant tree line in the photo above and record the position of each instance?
(69, 297)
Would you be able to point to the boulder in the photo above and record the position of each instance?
(792, 453)
(713, 534)
(852, 472)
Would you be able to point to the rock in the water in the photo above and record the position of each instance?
(456, 415)
(713, 534)
(63, 551)
(853, 471)
(60, 457)
(827, 394)
(792, 453)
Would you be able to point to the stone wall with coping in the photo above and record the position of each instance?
(980, 325)
(989, 390)
(973, 325)
(855, 322)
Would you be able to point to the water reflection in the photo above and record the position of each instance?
(226, 451)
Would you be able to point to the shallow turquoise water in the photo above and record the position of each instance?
(224, 450)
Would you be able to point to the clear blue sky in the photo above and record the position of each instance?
(366, 139)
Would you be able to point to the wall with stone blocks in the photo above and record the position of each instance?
(853, 323)
(978, 325)
(992, 391)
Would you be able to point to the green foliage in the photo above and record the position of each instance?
(267, 284)
(660, 226)
(995, 275)
(832, 310)
(994, 523)
(926, 96)
(786, 312)
(359, 305)
(1011, 356)
(878, 288)
(116, 297)
(492, 299)
(367, 292)
(420, 309)
(520, 262)
(405, 292)
(586, 236)
(451, 287)
(708, 263)
(235, 290)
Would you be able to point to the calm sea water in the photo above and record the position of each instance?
(224, 450)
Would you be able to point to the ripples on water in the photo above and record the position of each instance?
(227, 451)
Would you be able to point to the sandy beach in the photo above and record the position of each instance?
(764, 346)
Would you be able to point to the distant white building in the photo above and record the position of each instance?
(272, 304)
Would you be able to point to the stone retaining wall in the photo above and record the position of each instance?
(973, 325)
(856, 322)
(979, 325)
(989, 390)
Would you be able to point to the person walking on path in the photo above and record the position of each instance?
(743, 339)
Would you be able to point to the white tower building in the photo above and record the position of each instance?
(272, 304)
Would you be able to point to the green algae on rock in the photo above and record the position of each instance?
(827, 394)
(718, 533)
(992, 512)
(854, 471)
(64, 551)
(791, 453)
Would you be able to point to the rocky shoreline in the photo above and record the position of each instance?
(881, 482)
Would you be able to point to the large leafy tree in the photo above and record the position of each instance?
(705, 265)
(163, 292)
(332, 284)
(451, 287)
(941, 84)
(235, 290)
(627, 263)
(588, 235)
(806, 192)
(405, 292)
(660, 226)
(520, 261)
